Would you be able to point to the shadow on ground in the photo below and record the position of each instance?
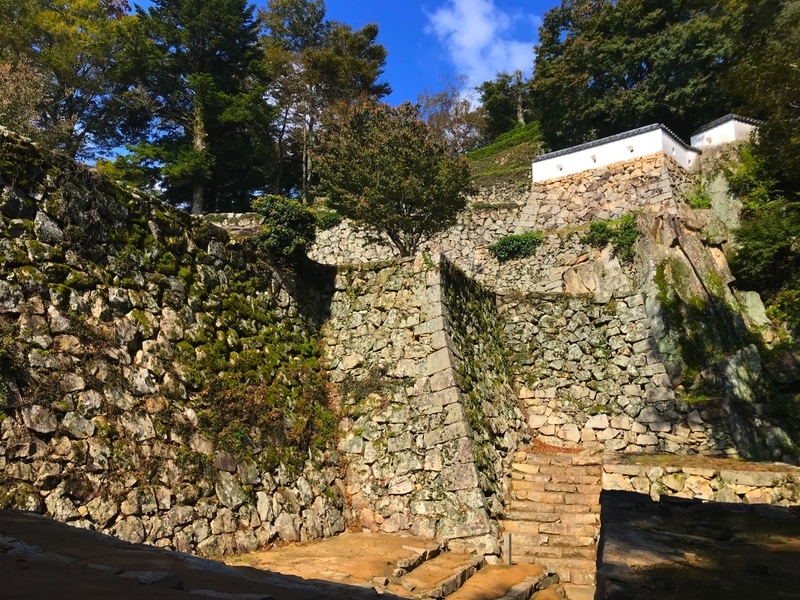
(66, 563)
(688, 549)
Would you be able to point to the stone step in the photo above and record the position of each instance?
(577, 577)
(442, 575)
(496, 582)
(579, 592)
(531, 507)
(522, 549)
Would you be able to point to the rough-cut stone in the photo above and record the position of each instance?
(229, 491)
(40, 419)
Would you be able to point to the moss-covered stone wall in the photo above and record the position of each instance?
(160, 381)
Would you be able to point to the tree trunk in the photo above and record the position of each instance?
(199, 143)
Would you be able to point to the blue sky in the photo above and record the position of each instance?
(432, 39)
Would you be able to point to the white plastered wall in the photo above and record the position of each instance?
(725, 133)
(636, 146)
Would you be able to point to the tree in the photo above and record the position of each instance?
(451, 116)
(202, 78)
(603, 67)
(507, 103)
(385, 168)
(75, 47)
(768, 76)
(317, 64)
(21, 89)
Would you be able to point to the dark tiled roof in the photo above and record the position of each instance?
(725, 119)
(614, 138)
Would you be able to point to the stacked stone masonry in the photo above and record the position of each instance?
(408, 442)
(590, 372)
(772, 484)
(111, 305)
(551, 206)
(553, 512)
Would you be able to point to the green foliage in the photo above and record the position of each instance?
(384, 168)
(699, 198)
(316, 64)
(516, 246)
(507, 104)
(605, 67)
(621, 236)
(198, 80)
(74, 47)
(750, 178)
(767, 259)
(768, 79)
(530, 133)
(327, 219)
(289, 226)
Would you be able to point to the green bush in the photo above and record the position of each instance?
(516, 246)
(328, 219)
(699, 198)
(621, 236)
(289, 227)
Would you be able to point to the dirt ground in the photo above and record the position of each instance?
(692, 550)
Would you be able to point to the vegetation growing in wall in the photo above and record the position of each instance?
(482, 371)
(514, 246)
(765, 254)
(705, 331)
(699, 198)
(622, 236)
(249, 363)
(327, 219)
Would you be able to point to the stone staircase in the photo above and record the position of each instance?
(552, 515)
(466, 577)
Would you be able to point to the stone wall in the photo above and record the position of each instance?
(590, 371)
(553, 206)
(142, 353)
(712, 481)
(424, 446)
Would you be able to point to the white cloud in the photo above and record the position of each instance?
(477, 36)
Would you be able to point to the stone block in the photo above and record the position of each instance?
(438, 361)
(598, 422)
(446, 434)
(443, 380)
(459, 477)
(447, 397)
(570, 433)
(753, 478)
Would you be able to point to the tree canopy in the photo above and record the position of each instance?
(385, 168)
(603, 67)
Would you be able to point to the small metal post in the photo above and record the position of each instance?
(507, 547)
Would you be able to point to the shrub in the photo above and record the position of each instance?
(289, 227)
(516, 246)
(385, 169)
(699, 198)
(622, 237)
(328, 219)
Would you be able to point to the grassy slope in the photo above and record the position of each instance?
(508, 159)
